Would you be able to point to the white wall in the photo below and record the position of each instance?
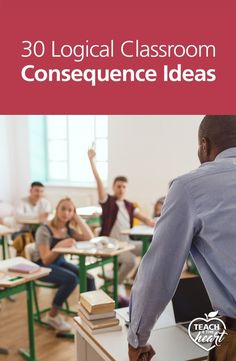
(152, 150)
(14, 160)
(21, 156)
(149, 150)
(6, 160)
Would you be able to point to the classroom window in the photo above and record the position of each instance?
(66, 142)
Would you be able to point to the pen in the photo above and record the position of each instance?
(15, 278)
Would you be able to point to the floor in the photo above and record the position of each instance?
(13, 327)
(13, 331)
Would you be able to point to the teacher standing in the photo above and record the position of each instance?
(199, 216)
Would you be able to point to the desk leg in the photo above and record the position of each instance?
(3, 351)
(4, 250)
(146, 243)
(115, 284)
(80, 347)
(82, 273)
(31, 354)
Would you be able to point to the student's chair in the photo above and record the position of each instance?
(107, 281)
(29, 250)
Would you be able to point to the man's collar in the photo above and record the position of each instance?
(227, 153)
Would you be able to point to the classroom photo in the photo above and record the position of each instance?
(117, 237)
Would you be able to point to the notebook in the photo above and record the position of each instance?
(24, 268)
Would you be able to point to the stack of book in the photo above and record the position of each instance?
(97, 312)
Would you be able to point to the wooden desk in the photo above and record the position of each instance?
(24, 283)
(187, 274)
(29, 224)
(87, 212)
(106, 256)
(143, 233)
(170, 343)
(91, 214)
(28, 221)
(4, 232)
(33, 221)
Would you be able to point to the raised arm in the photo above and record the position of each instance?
(102, 194)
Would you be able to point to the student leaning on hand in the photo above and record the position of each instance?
(62, 231)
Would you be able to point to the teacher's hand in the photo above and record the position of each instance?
(144, 353)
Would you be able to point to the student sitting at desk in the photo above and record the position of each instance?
(63, 230)
(158, 207)
(34, 206)
(117, 215)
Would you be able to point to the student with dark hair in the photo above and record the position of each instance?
(62, 231)
(118, 214)
(158, 207)
(198, 217)
(37, 184)
(34, 205)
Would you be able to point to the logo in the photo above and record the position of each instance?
(207, 332)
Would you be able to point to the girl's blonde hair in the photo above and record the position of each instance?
(72, 223)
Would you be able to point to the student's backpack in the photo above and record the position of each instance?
(21, 241)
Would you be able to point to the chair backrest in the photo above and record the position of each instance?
(29, 250)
